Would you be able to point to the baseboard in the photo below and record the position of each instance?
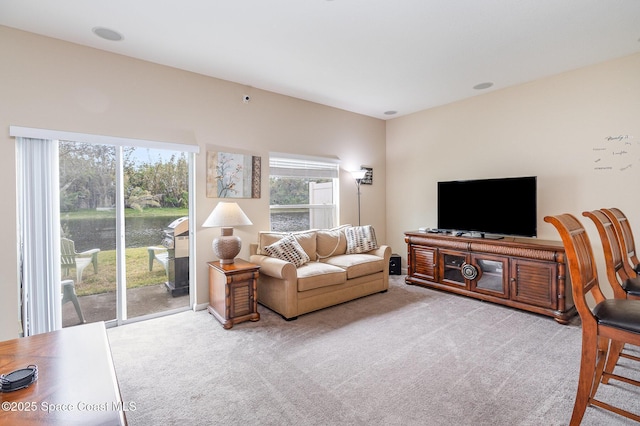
(201, 306)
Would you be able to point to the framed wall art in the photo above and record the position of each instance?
(232, 175)
(368, 177)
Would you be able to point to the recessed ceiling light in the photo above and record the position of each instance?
(107, 34)
(482, 86)
(390, 112)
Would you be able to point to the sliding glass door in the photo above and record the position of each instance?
(116, 207)
(156, 194)
(88, 232)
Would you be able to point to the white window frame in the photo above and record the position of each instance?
(304, 166)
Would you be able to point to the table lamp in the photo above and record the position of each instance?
(226, 215)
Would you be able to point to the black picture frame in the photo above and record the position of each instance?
(368, 177)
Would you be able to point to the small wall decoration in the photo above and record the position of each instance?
(368, 177)
(231, 175)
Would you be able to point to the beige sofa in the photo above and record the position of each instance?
(336, 270)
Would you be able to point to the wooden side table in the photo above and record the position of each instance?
(233, 296)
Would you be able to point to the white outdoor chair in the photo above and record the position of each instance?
(69, 295)
(159, 254)
(72, 259)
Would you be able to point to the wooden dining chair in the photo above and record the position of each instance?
(609, 320)
(623, 285)
(625, 238)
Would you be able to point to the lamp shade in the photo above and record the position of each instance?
(358, 174)
(226, 215)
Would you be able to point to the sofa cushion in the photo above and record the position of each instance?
(331, 242)
(288, 249)
(360, 239)
(358, 265)
(306, 239)
(317, 274)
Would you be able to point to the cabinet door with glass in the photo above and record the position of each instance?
(488, 275)
(451, 264)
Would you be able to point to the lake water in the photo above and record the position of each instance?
(101, 233)
(148, 231)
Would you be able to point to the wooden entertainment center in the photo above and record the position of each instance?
(523, 273)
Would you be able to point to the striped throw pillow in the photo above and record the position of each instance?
(360, 239)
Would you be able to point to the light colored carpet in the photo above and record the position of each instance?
(411, 356)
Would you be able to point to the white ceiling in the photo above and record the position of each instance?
(365, 56)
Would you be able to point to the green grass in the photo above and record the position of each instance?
(137, 271)
(155, 212)
(137, 259)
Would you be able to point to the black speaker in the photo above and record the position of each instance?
(394, 265)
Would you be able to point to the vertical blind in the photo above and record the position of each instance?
(39, 234)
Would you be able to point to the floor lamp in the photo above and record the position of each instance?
(358, 175)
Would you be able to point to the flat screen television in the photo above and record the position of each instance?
(505, 206)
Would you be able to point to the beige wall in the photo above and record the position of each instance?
(550, 128)
(50, 84)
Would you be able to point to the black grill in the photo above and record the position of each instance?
(176, 240)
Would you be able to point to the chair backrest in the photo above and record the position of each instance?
(616, 272)
(67, 252)
(584, 275)
(625, 238)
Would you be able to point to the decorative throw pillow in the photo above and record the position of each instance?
(331, 242)
(306, 239)
(288, 249)
(266, 238)
(360, 239)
